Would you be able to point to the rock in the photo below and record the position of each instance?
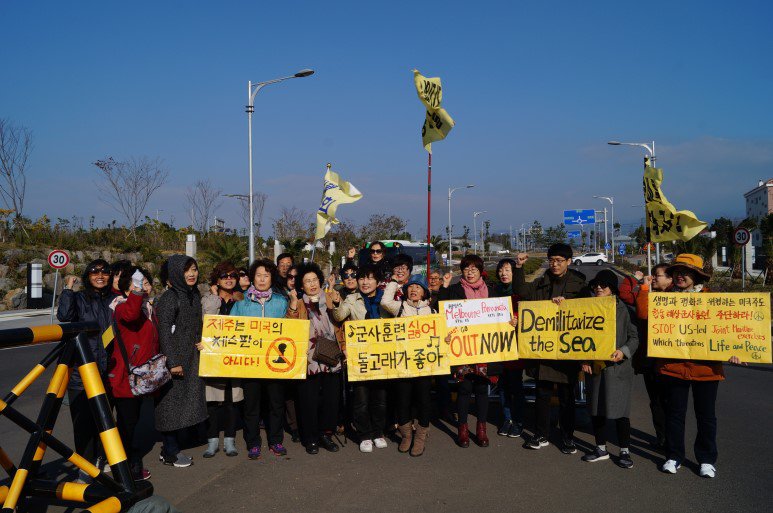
(6, 284)
(78, 256)
(3, 308)
(8, 299)
(22, 270)
(13, 254)
(48, 282)
(19, 300)
(69, 269)
(4, 271)
(91, 255)
(107, 255)
(40, 261)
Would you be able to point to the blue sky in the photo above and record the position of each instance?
(536, 89)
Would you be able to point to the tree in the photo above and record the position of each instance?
(382, 226)
(537, 235)
(555, 234)
(15, 149)
(292, 224)
(258, 205)
(466, 238)
(128, 185)
(203, 201)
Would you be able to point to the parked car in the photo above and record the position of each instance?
(590, 258)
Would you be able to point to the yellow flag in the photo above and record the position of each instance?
(665, 222)
(437, 123)
(335, 192)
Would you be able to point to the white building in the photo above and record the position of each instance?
(759, 203)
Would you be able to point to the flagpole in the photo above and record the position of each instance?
(429, 209)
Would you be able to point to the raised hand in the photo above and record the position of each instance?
(447, 280)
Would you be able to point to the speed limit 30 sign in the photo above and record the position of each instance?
(58, 259)
(741, 236)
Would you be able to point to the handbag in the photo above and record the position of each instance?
(146, 378)
(327, 352)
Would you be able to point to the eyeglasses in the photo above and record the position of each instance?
(231, 276)
(99, 270)
(599, 286)
(349, 276)
(242, 273)
(291, 276)
(377, 251)
(403, 268)
(556, 260)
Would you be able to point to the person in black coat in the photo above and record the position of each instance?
(92, 304)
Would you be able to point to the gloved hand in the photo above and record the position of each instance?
(137, 279)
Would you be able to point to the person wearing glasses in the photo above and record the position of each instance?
(348, 280)
(244, 280)
(283, 264)
(378, 259)
(92, 304)
(610, 382)
(222, 394)
(558, 283)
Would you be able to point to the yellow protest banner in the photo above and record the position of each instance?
(403, 347)
(577, 329)
(709, 326)
(480, 330)
(437, 123)
(253, 347)
(664, 221)
(335, 192)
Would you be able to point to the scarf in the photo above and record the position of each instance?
(504, 290)
(320, 321)
(256, 295)
(477, 290)
(372, 304)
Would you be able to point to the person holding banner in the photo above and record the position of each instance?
(319, 393)
(369, 397)
(681, 375)
(182, 402)
(222, 394)
(558, 283)
(264, 298)
(611, 381)
(473, 379)
(415, 301)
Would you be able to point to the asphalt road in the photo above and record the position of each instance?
(502, 477)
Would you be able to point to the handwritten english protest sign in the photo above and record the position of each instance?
(709, 326)
(480, 330)
(253, 347)
(403, 347)
(577, 329)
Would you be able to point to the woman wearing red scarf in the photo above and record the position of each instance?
(472, 378)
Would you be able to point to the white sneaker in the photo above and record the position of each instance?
(670, 466)
(380, 443)
(708, 470)
(366, 446)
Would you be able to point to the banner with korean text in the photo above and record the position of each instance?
(253, 347)
(709, 326)
(577, 329)
(403, 347)
(479, 330)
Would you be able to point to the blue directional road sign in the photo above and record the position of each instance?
(607, 245)
(621, 249)
(574, 234)
(580, 216)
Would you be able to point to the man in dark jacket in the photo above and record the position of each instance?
(558, 283)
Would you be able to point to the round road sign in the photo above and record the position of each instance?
(58, 259)
(741, 236)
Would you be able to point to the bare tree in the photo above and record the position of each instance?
(258, 204)
(128, 185)
(293, 223)
(15, 149)
(203, 201)
(382, 226)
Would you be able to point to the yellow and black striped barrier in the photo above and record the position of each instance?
(105, 494)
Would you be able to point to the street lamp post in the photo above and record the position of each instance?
(652, 158)
(252, 91)
(475, 227)
(450, 192)
(611, 200)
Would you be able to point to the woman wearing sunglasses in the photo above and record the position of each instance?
(222, 393)
(92, 304)
(348, 280)
(379, 260)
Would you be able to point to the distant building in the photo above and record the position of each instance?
(218, 226)
(759, 203)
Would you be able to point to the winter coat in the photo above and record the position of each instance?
(181, 402)
(88, 306)
(390, 305)
(570, 286)
(139, 335)
(610, 388)
(351, 309)
(275, 307)
(213, 304)
(303, 313)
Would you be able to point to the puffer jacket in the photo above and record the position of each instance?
(275, 307)
(390, 306)
(351, 309)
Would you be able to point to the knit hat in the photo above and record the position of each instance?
(560, 249)
(691, 262)
(416, 279)
(605, 278)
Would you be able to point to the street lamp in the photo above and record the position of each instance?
(252, 91)
(475, 227)
(652, 158)
(450, 192)
(611, 200)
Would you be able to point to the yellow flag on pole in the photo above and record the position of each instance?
(437, 122)
(335, 192)
(664, 221)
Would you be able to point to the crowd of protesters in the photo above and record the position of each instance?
(191, 411)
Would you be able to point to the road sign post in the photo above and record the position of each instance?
(741, 237)
(57, 259)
